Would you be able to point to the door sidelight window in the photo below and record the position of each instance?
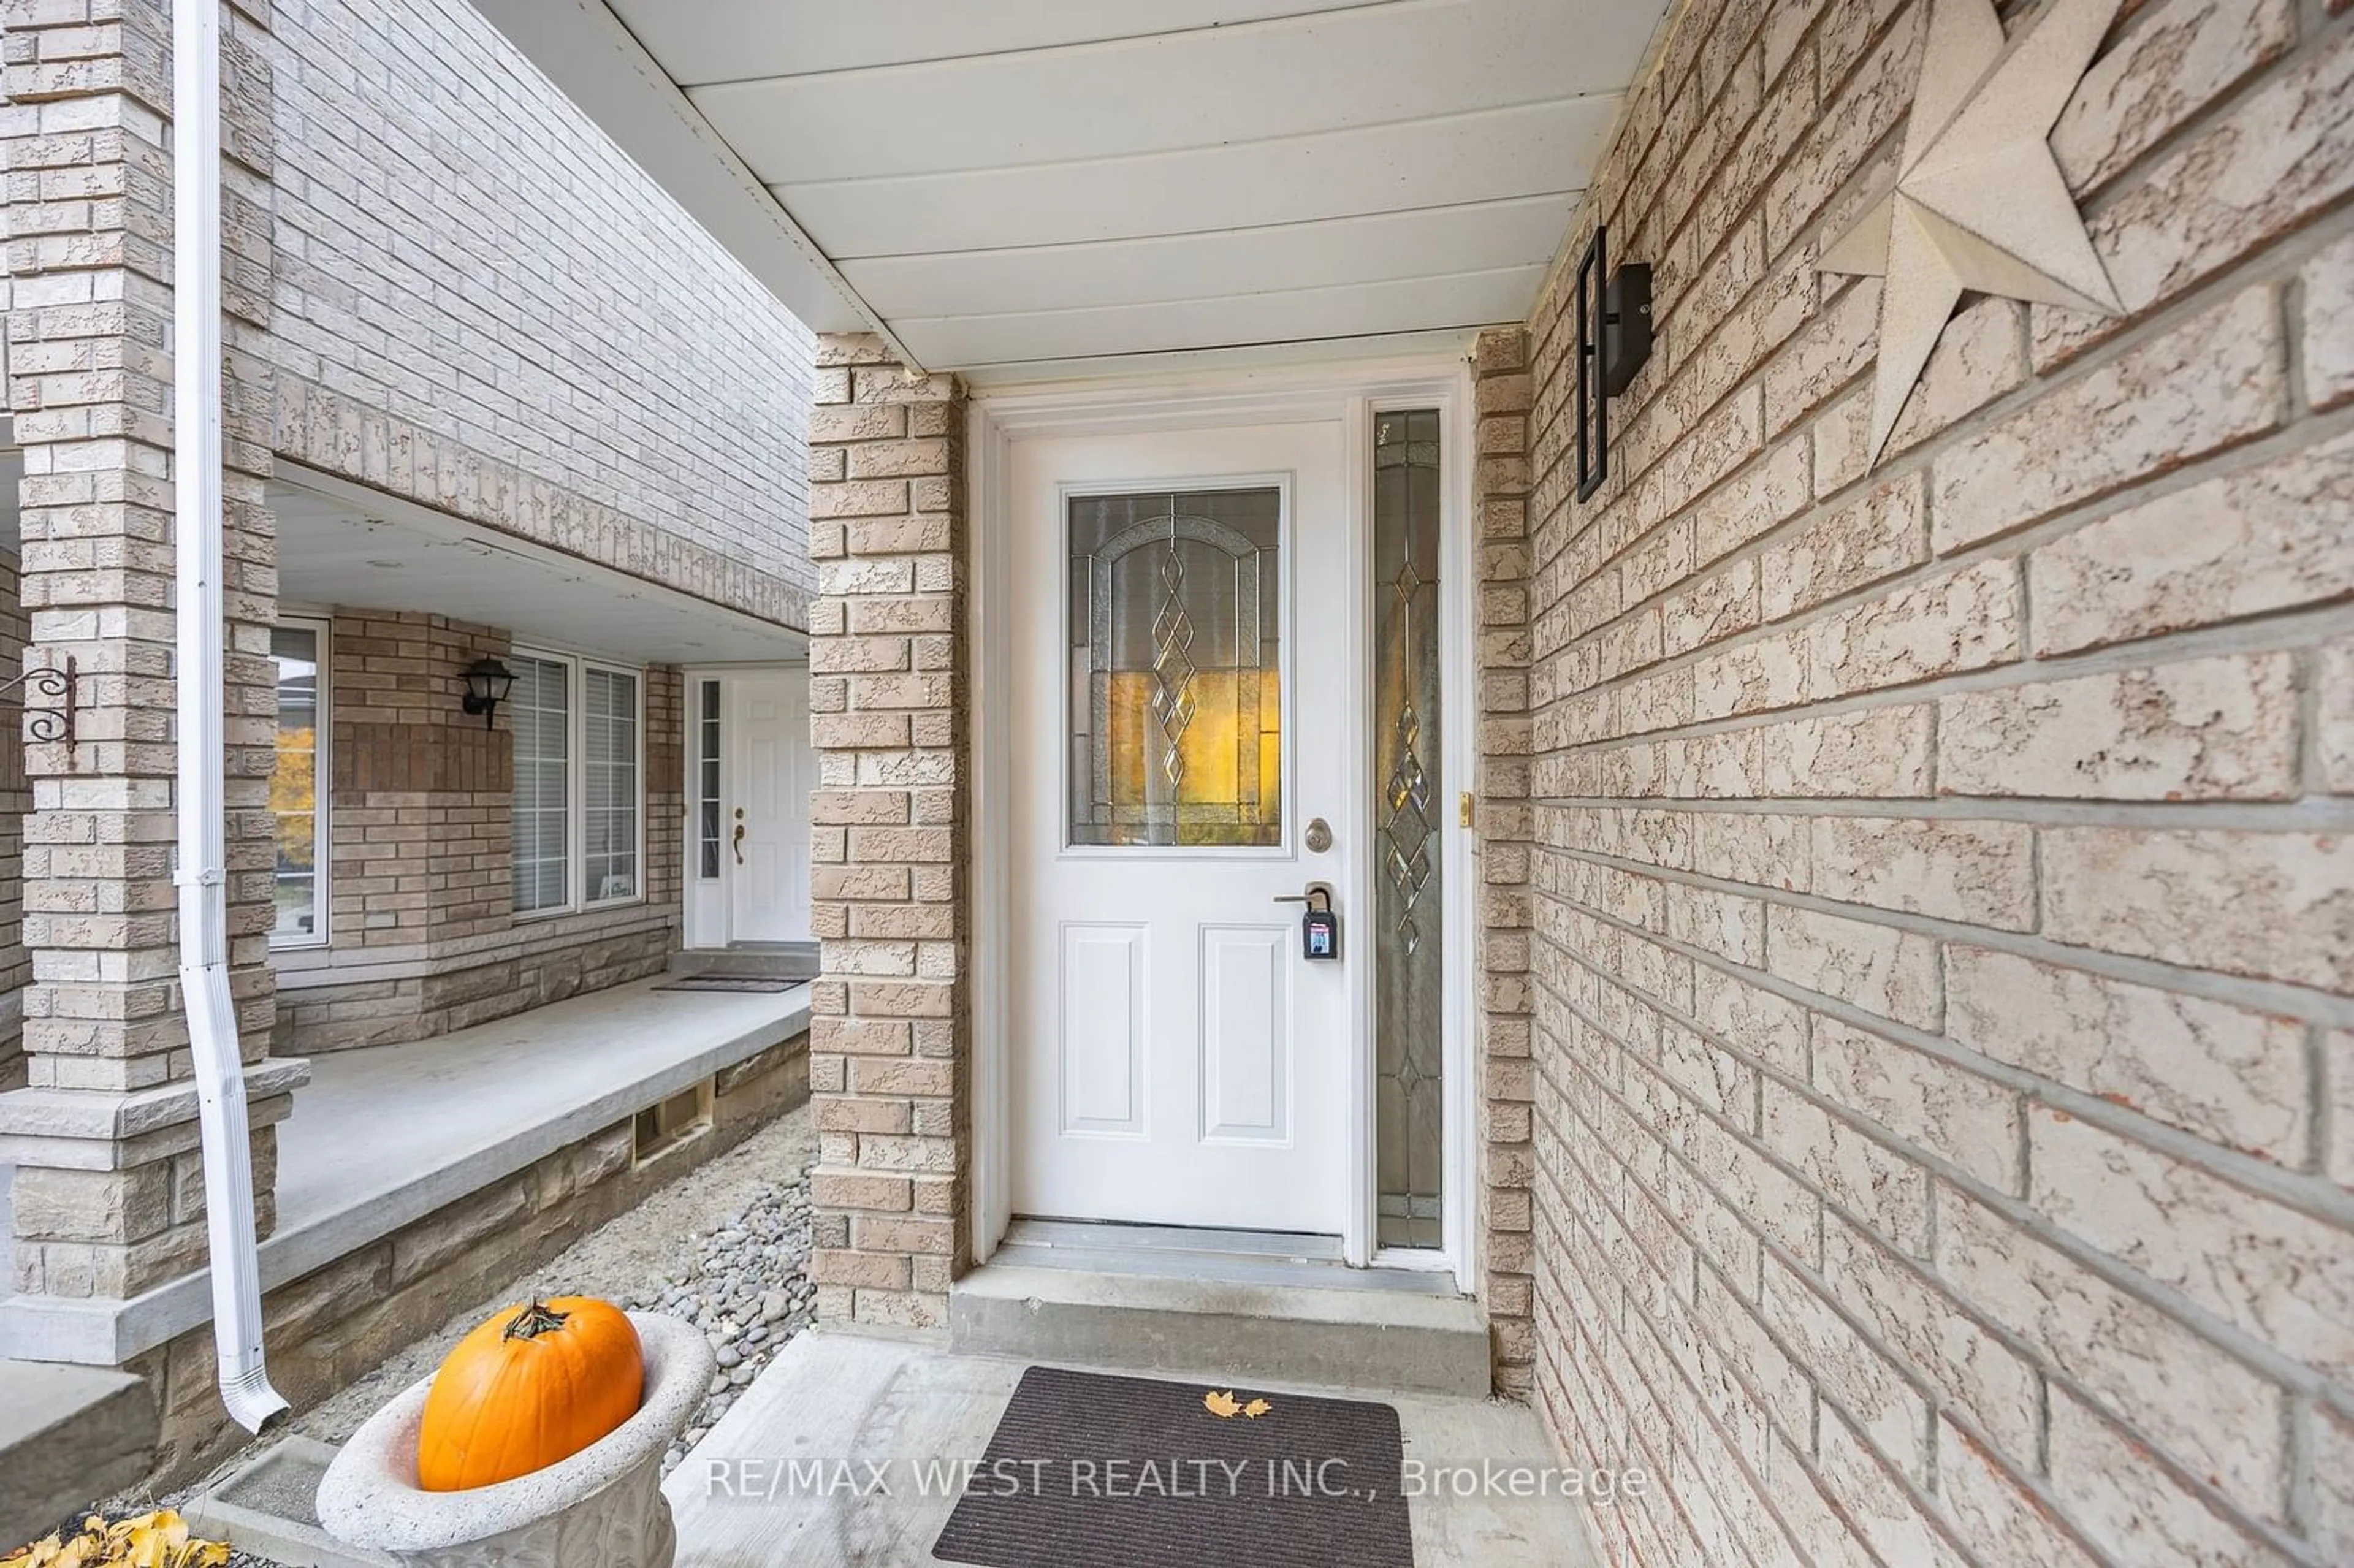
(1409, 1033)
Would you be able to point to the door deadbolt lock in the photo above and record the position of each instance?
(1319, 835)
(1319, 929)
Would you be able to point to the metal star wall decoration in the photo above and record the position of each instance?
(1979, 203)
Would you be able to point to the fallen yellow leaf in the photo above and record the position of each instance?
(1225, 1406)
(158, 1540)
(1257, 1408)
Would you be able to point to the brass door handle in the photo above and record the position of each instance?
(739, 843)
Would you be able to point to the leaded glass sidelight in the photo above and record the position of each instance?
(1176, 728)
(1409, 1087)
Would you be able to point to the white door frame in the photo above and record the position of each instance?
(1351, 393)
(706, 910)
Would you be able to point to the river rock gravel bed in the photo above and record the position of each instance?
(746, 1288)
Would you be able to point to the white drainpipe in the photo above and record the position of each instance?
(202, 872)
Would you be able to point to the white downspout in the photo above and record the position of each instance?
(201, 800)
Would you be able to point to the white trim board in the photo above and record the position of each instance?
(1350, 393)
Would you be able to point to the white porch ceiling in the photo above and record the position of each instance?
(340, 546)
(349, 549)
(1027, 182)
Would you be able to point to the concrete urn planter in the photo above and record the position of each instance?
(602, 1508)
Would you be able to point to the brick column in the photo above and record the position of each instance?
(15, 799)
(1506, 1084)
(890, 1041)
(108, 1197)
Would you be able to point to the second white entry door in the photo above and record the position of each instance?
(1180, 689)
(767, 830)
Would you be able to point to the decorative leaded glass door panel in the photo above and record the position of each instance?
(1176, 697)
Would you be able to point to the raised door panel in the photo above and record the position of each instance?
(1101, 1030)
(1246, 1057)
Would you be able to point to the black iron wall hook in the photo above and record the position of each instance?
(52, 719)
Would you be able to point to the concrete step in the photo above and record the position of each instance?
(69, 1437)
(765, 960)
(1253, 1313)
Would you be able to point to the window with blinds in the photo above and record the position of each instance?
(539, 710)
(609, 785)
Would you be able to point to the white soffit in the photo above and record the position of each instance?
(344, 547)
(1023, 181)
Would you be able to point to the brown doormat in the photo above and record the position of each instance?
(1089, 1471)
(729, 982)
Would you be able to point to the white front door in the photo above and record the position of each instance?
(767, 826)
(1178, 719)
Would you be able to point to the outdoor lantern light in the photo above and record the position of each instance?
(487, 682)
(1613, 340)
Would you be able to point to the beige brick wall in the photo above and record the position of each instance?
(485, 305)
(89, 264)
(1944, 948)
(422, 934)
(890, 1030)
(1506, 1082)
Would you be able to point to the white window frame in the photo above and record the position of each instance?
(322, 778)
(576, 781)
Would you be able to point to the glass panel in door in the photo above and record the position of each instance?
(1175, 640)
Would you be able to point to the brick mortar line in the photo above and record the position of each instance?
(2308, 1192)
(2315, 813)
(1604, 1367)
(1899, 1362)
(2295, 438)
(1937, 1409)
(2307, 1003)
(2020, 1212)
(1935, 1405)
(1699, 1403)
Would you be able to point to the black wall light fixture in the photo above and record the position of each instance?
(487, 684)
(1613, 340)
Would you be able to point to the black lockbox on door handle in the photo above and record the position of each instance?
(1319, 929)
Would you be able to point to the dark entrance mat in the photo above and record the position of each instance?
(1089, 1471)
(728, 982)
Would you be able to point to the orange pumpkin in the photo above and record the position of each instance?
(535, 1384)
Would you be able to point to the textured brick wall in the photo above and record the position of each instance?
(89, 192)
(422, 791)
(15, 799)
(422, 935)
(485, 304)
(890, 1040)
(1944, 943)
(1506, 1079)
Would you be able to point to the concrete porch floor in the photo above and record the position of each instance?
(471, 1107)
(867, 1401)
